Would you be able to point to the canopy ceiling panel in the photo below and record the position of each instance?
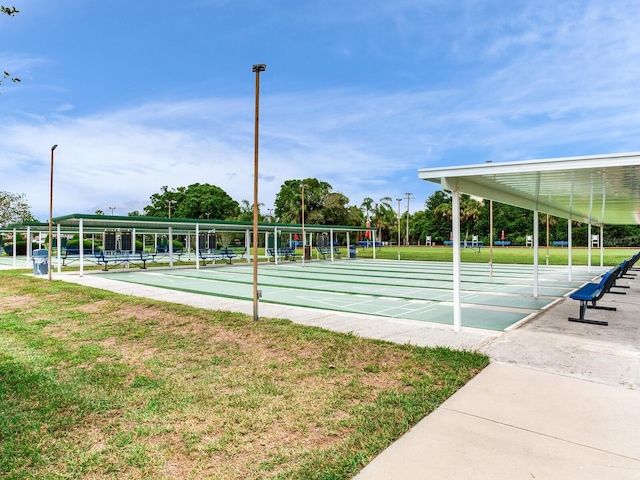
(597, 189)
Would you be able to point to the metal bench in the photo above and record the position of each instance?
(139, 259)
(211, 255)
(287, 253)
(591, 293)
(163, 251)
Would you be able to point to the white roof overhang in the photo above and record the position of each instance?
(596, 189)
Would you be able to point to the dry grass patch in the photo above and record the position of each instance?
(123, 387)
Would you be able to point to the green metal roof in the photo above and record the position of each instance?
(179, 226)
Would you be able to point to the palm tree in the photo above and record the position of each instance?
(470, 210)
(367, 206)
(381, 214)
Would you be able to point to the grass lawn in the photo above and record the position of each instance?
(99, 385)
(510, 255)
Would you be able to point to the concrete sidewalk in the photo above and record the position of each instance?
(560, 400)
(516, 423)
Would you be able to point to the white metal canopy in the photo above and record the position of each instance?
(596, 189)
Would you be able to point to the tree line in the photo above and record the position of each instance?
(324, 206)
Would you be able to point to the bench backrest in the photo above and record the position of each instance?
(608, 279)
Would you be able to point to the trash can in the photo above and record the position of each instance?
(307, 252)
(353, 251)
(40, 259)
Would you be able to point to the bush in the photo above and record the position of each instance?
(21, 248)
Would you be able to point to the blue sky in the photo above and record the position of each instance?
(361, 94)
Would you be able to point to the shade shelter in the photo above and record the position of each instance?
(87, 224)
(597, 190)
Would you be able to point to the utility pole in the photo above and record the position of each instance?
(409, 197)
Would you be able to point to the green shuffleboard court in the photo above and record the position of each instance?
(413, 290)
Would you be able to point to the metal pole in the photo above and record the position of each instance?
(304, 237)
(50, 217)
(256, 69)
(547, 239)
(408, 198)
(490, 234)
(399, 200)
(491, 239)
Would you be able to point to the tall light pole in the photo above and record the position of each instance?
(270, 215)
(408, 198)
(399, 200)
(51, 216)
(304, 237)
(257, 68)
(113, 208)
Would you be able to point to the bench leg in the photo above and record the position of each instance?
(583, 309)
(591, 322)
(598, 307)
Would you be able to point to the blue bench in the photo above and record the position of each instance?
(212, 255)
(560, 243)
(502, 243)
(139, 259)
(71, 254)
(287, 253)
(326, 252)
(474, 245)
(368, 244)
(231, 253)
(163, 251)
(592, 292)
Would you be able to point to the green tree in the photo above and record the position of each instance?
(245, 212)
(383, 216)
(367, 206)
(288, 204)
(336, 210)
(436, 222)
(470, 212)
(14, 208)
(195, 201)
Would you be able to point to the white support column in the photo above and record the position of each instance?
(133, 240)
(536, 261)
(197, 246)
(589, 248)
(457, 308)
(275, 245)
(81, 245)
(331, 240)
(569, 250)
(247, 244)
(348, 246)
(601, 245)
(59, 247)
(170, 247)
(266, 244)
(373, 236)
(15, 247)
(29, 249)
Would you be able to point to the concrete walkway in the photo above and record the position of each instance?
(560, 400)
